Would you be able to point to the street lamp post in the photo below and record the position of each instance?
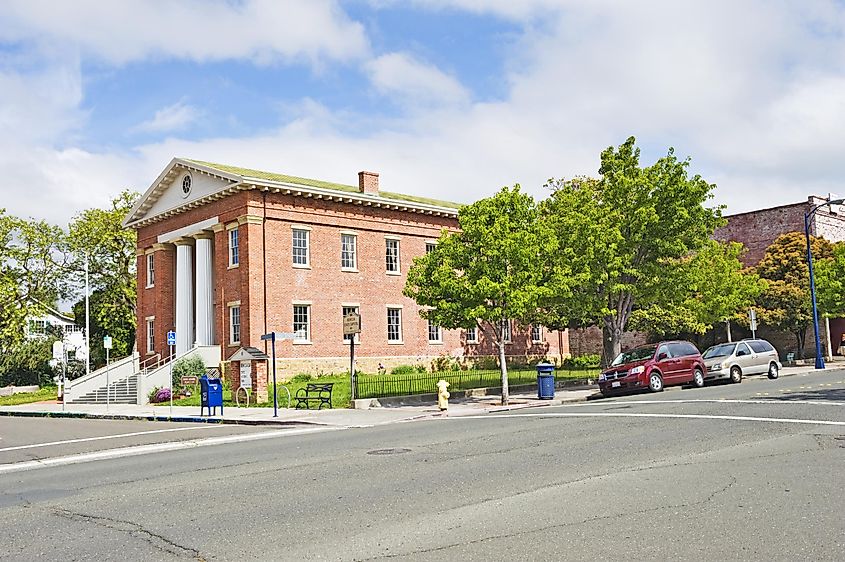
(807, 217)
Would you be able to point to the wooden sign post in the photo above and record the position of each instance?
(352, 326)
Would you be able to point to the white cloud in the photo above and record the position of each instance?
(171, 118)
(201, 30)
(412, 82)
(752, 91)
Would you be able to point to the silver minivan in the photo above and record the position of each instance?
(735, 359)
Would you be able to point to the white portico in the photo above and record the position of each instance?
(194, 280)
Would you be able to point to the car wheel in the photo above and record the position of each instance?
(655, 382)
(736, 374)
(698, 378)
(605, 393)
(773, 371)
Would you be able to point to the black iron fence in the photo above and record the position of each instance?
(380, 386)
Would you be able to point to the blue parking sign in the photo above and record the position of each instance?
(171, 338)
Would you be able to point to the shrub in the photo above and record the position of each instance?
(302, 377)
(403, 370)
(487, 363)
(583, 361)
(445, 363)
(187, 367)
(158, 395)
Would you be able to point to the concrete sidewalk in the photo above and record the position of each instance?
(342, 417)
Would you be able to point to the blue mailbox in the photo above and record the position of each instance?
(211, 392)
(545, 381)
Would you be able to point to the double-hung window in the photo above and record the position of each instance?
(506, 331)
(394, 325)
(234, 249)
(302, 322)
(391, 255)
(435, 334)
(430, 246)
(348, 259)
(472, 335)
(300, 247)
(151, 335)
(536, 333)
(151, 272)
(235, 324)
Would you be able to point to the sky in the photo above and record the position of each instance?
(450, 99)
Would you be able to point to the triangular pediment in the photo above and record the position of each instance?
(183, 182)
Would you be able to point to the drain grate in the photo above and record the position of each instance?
(393, 451)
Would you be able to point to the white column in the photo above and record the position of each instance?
(184, 296)
(205, 291)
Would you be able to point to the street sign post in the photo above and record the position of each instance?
(171, 342)
(272, 337)
(59, 355)
(752, 320)
(107, 346)
(352, 326)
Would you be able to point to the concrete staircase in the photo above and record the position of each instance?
(121, 392)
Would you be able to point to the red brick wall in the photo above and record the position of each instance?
(323, 285)
(758, 229)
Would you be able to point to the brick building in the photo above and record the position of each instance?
(758, 229)
(226, 254)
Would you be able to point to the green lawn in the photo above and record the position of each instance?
(44, 393)
(384, 385)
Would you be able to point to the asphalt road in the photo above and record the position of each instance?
(683, 475)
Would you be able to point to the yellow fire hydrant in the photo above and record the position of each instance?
(442, 395)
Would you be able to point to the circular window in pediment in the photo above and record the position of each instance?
(186, 185)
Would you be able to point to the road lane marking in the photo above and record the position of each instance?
(652, 415)
(156, 448)
(708, 401)
(102, 437)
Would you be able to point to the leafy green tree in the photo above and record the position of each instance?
(110, 250)
(830, 282)
(696, 292)
(32, 258)
(785, 303)
(629, 225)
(488, 273)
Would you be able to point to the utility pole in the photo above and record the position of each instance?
(87, 323)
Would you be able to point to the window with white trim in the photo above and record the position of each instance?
(151, 271)
(348, 259)
(391, 254)
(346, 311)
(302, 322)
(435, 334)
(394, 325)
(300, 247)
(536, 333)
(234, 247)
(506, 331)
(151, 335)
(235, 324)
(472, 335)
(429, 247)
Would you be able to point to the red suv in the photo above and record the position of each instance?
(654, 366)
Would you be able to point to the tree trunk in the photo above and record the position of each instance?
(801, 336)
(728, 330)
(504, 367)
(560, 345)
(612, 347)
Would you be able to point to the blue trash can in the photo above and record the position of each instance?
(211, 394)
(545, 381)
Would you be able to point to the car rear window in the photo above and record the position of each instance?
(682, 349)
(761, 346)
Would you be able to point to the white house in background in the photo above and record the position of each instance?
(74, 336)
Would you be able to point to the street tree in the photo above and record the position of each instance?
(32, 258)
(631, 222)
(693, 294)
(785, 303)
(489, 273)
(98, 235)
(830, 282)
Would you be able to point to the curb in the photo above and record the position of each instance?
(174, 419)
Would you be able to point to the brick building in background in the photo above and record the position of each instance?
(226, 254)
(758, 229)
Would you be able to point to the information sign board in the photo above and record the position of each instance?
(351, 324)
